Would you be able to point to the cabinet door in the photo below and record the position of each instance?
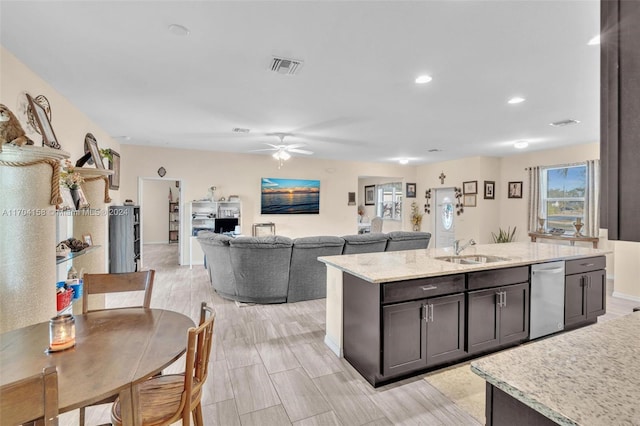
(514, 313)
(404, 334)
(445, 329)
(596, 294)
(574, 299)
(482, 321)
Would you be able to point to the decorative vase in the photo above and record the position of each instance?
(416, 227)
(75, 194)
(578, 225)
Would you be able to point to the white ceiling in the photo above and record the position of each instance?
(354, 98)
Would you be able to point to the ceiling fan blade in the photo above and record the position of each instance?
(295, 145)
(272, 145)
(300, 151)
(262, 150)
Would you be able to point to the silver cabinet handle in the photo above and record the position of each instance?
(423, 312)
(431, 312)
(587, 264)
(504, 299)
(429, 287)
(499, 295)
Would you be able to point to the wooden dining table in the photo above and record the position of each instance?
(116, 349)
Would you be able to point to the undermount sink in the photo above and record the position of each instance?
(472, 259)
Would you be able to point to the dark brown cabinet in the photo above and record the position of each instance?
(422, 333)
(619, 112)
(584, 291)
(497, 308)
(497, 316)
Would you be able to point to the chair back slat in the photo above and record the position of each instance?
(117, 283)
(30, 399)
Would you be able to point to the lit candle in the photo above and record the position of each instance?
(62, 332)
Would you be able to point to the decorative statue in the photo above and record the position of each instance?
(10, 129)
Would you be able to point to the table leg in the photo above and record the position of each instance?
(595, 244)
(573, 243)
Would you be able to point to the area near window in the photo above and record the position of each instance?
(563, 191)
(389, 201)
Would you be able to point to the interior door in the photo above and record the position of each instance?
(444, 214)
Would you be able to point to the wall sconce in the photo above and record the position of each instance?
(427, 206)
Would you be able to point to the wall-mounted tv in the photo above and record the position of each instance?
(290, 196)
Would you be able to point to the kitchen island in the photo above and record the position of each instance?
(585, 377)
(392, 314)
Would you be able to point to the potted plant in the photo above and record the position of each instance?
(504, 236)
(416, 216)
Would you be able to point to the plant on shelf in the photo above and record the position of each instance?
(504, 236)
(106, 153)
(69, 177)
(416, 216)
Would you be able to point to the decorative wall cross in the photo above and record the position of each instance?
(441, 177)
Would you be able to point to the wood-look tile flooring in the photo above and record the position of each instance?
(270, 366)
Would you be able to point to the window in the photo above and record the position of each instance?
(563, 194)
(389, 201)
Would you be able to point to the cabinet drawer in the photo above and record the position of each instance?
(422, 288)
(497, 277)
(578, 266)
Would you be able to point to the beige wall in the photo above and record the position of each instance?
(68, 122)
(155, 210)
(240, 174)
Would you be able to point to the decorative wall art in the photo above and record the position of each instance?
(489, 190)
(470, 187)
(515, 190)
(411, 190)
(369, 195)
(114, 164)
(290, 196)
(38, 114)
(351, 199)
(469, 200)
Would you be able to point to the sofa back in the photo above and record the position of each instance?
(364, 243)
(307, 275)
(261, 268)
(218, 259)
(403, 240)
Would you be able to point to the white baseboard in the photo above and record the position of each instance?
(625, 296)
(156, 242)
(333, 346)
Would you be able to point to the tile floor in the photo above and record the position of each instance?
(269, 365)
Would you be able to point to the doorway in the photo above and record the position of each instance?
(444, 217)
(160, 201)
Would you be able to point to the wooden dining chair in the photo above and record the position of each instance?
(34, 399)
(172, 397)
(115, 283)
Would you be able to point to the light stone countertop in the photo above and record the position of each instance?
(589, 376)
(402, 265)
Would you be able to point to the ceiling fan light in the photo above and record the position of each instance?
(284, 155)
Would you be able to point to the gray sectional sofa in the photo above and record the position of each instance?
(277, 269)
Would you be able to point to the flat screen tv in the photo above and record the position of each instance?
(290, 196)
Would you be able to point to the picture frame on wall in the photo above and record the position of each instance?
(44, 125)
(515, 190)
(369, 195)
(114, 164)
(469, 200)
(411, 190)
(86, 238)
(470, 187)
(91, 146)
(489, 190)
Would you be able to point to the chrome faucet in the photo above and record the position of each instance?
(456, 246)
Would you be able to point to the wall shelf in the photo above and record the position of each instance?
(73, 255)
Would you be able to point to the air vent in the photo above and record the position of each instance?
(240, 130)
(285, 65)
(563, 123)
(434, 150)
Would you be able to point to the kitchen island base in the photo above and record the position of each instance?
(504, 410)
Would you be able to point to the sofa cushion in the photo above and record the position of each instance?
(265, 242)
(364, 243)
(308, 276)
(403, 240)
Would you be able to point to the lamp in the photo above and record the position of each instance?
(281, 155)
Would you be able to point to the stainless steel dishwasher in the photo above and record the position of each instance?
(547, 299)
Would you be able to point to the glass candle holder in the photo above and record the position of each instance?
(62, 332)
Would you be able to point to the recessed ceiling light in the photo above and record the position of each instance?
(563, 123)
(404, 161)
(516, 100)
(423, 79)
(179, 30)
(521, 144)
(594, 41)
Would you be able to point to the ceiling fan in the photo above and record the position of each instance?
(282, 150)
